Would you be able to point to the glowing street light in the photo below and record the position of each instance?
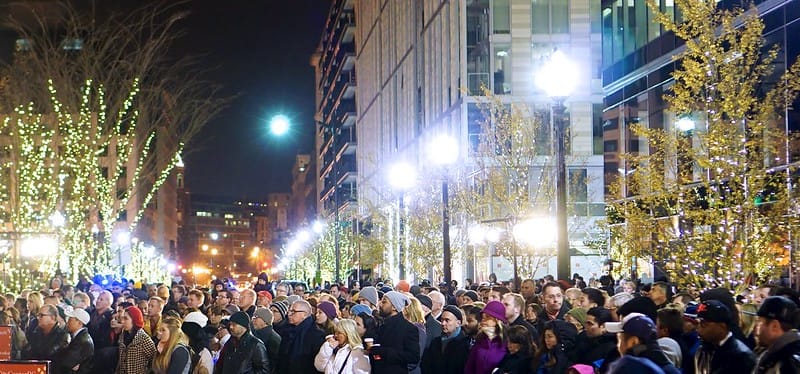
(558, 78)
(444, 152)
(402, 177)
(57, 219)
(279, 125)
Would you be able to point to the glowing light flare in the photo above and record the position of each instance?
(39, 246)
(402, 176)
(558, 77)
(279, 125)
(443, 150)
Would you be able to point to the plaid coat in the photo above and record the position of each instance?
(136, 357)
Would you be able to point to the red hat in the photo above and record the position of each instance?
(136, 316)
(265, 294)
(403, 286)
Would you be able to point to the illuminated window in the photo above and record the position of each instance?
(228, 215)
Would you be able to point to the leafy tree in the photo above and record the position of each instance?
(95, 116)
(710, 203)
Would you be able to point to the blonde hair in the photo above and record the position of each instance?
(330, 298)
(176, 336)
(348, 327)
(35, 302)
(413, 311)
(748, 318)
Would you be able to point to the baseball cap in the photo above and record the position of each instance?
(78, 314)
(635, 324)
(779, 308)
(713, 311)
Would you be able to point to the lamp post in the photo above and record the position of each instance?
(402, 177)
(558, 78)
(444, 152)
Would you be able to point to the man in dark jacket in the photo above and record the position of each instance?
(777, 319)
(598, 343)
(433, 328)
(47, 339)
(447, 353)
(637, 337)
(262, 329)
(300, 341)
(399, 350)
(78, 357)
(515, 305)
(243, 353)
(554, 305)
(720, 351)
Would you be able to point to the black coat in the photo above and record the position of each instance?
(79, 352)
(782, 357)
(45, 347)
(731, 357)
(515, 364)
(448, 360)
(399, 346)
(590, 350)
(298, 348)
(271, 340)
(433, 329)
(543, 318)
(527, 325)
(244, 355)
(100, 329)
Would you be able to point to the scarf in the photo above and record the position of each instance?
(296, 336)
(446, 339)
(127, 336)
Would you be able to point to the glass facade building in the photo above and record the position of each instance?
(637, 67)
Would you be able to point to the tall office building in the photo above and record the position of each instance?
(421, 65)
(334, 65)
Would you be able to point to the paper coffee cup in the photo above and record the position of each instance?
(368, 342)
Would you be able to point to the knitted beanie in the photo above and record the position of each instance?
(136, 316)
(328, 308)
(398, 300)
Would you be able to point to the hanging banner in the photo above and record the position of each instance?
(24, 367)
(5, 342)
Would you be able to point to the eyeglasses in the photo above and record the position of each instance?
(40, 315)
(293, 311)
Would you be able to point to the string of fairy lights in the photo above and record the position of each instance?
(72, 161)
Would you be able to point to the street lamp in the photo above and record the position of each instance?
(402, 177)
(279, 125)
(444, 152)
(558, 77)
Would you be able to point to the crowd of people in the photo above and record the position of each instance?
(280, 327)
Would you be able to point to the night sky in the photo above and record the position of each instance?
(259, 50)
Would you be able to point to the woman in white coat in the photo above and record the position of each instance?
(342, 352)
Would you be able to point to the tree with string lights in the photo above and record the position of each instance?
(95, 116)
(708, 199)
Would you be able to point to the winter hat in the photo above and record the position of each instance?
(495, 309)
(415, 290)
(282, 309)
(370, 294)
(425, 300)
(265, 314)
(328, 308)
(779, 308)
(265, 294)
(232, 309)
(582, 369)
(724, 296)
(197, 317)
(241, 319)
(641, 304)
(455, 311)
(360, 308)
(579, 314)
(293, 299)
(385, 289)
(714, 311)
(472, 295)
(398, 300)
(635, 324)
(403, 286)
(136, 316)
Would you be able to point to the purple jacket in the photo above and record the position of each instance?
(485, 355)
